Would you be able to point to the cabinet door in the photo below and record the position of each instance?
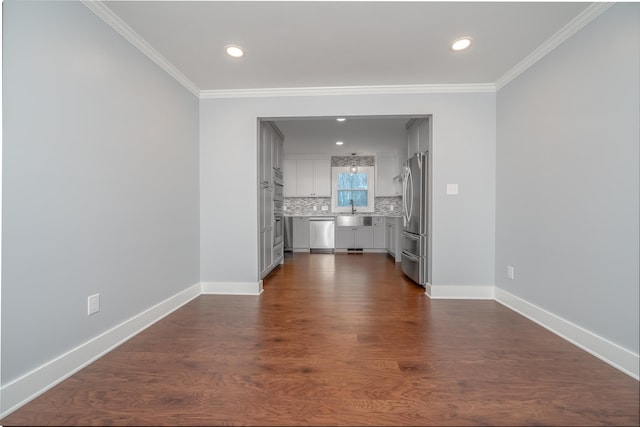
(265, 152)
(266, 242)
(413, 140)
(290, 179)
(304, 178)
(386, 170)
(344, 237)
(266, 207)
(387, 236)
(321, 178)
(276, 149)
(364, 237)
(423, 135)
(300, 233)
(378, 233)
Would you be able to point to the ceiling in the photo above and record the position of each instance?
(296, 44)
(337, 44)
(360, 135)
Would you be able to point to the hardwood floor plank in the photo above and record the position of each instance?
(340, 340)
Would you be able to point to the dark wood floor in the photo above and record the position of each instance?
(340, 340)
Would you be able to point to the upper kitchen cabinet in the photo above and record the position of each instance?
(271, 149)
(387, 168)
(417, 136)
(307, 178)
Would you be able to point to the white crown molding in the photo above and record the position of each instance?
(579, 22)
(135, 39)
(348, 90)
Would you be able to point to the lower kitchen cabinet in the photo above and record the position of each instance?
(393, 231)
(300, 233)
(379, 237)
(354, 237)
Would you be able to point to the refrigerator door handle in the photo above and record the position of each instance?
(410, 187)
(410, 236)
(404, 197)
(411, 256)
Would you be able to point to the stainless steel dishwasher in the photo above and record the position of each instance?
(322, 234)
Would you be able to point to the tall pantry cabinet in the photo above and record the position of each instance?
(271, 224)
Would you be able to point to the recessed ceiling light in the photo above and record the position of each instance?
(341, 119)
(234, 51)
(461, 44)
(339, 142)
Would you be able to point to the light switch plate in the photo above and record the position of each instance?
(452, 189)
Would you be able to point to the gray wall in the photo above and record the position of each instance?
(463, 153)
(100, 182)
(567, 179)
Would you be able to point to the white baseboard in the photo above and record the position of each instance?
(232, 288)
(459, 291)
(29, 386)
(616, 356)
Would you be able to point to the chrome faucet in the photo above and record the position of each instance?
(353, 209)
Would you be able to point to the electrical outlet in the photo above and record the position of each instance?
(325, 208)
(284, 208)
(93, 304)
(510, 272)
(392, 207)
(315, 208)
(452, 189)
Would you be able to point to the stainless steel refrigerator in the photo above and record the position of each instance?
(415, 222)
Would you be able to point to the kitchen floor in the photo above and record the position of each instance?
(340, 339)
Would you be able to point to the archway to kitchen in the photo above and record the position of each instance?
(303, 163)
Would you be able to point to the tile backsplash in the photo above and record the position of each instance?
(304, 205)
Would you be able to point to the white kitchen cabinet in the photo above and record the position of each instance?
(277, 148)
(265, 153)
(290, 171)
(354, 237)
(307, 178)
(379, 233)
(270, 157)
(393, 231)
(417, 137)
(300, 233)
(386, 170)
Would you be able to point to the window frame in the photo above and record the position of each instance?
(370, 171)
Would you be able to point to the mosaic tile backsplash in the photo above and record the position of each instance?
(349, 160)
(304, 205)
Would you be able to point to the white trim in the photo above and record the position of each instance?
(348, 90)
(232, 288)
(611, 353)
(364, 251)
(136, 40)
(371, 189)
(29, 386)
(589, 14)
(459, 291)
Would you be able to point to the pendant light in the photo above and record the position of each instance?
(354, 167)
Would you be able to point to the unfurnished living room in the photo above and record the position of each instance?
(146, 274)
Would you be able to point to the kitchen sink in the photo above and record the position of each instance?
(353, 220)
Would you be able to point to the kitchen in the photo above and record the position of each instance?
(310, 200)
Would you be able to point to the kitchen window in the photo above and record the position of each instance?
(352, 189)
